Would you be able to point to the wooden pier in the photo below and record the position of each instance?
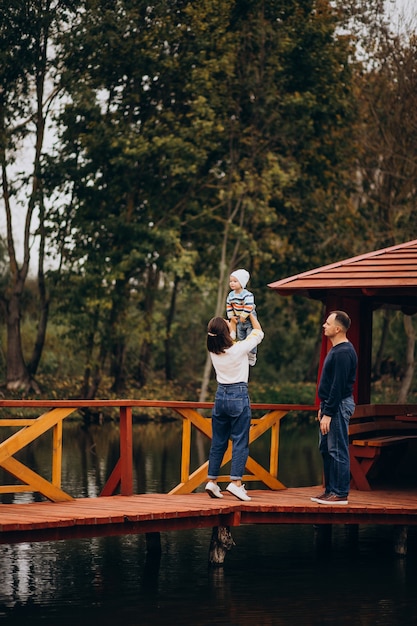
(150, 513)
(118, 511)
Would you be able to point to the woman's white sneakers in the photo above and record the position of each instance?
(239, 492)
(213, 490)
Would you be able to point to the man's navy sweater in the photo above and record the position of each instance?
(337, 377)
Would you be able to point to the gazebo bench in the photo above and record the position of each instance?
(369, 436)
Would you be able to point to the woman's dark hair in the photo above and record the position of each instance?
(218, 335)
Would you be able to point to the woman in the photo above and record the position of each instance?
(231, 414)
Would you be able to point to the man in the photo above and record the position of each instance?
(336, 407)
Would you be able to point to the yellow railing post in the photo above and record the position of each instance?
(185, 450)
(57, 455)
(273, 454)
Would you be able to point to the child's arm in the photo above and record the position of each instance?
(255, 322)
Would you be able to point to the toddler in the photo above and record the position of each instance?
(240, 303)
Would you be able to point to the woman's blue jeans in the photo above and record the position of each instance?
(231, 417)
(334, 448)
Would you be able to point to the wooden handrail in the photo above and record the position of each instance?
(122, 474)
(169, 404)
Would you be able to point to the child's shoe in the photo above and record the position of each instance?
(252, 358)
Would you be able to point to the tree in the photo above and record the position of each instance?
(28, 64)
(387, 161)
(286, 104)
(128, 162)
(197, 136)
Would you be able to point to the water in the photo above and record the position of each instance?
(275, 575)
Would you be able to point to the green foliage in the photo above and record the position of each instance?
(284, 393)
(209, 129)
(191, 138)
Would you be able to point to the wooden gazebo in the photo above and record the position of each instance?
(360, 285)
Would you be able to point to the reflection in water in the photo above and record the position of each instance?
(274, 575)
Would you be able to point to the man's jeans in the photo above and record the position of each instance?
(231, 418)
(334, 448)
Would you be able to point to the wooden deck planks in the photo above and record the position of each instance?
(139, 513)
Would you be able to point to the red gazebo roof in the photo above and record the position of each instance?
(389, 275)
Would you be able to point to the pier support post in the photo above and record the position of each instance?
(400, 540)
(352, 535)
(323, 538)
(153, 557)
(220, 544)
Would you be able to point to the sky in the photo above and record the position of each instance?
(403, 12)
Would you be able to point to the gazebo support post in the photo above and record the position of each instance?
(360, 334)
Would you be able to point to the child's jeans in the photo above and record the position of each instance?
(243, 329)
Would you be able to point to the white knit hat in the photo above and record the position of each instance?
(242, 276)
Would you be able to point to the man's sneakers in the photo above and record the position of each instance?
(330, 498)
(213, 490)
(320, 497)
(239, 492)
